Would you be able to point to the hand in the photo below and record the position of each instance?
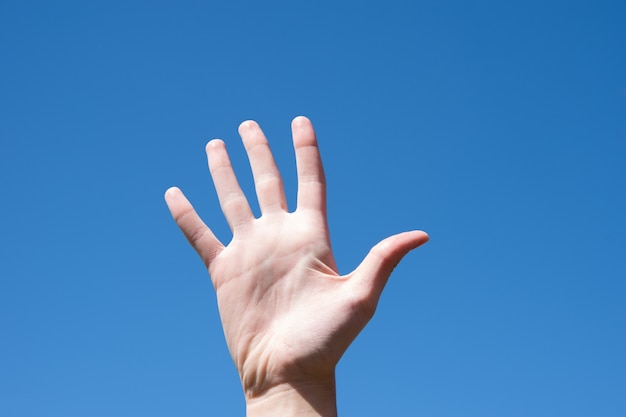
(288, 315)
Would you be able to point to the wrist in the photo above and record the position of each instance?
(306, 399)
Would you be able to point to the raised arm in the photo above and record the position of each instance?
(288, 315)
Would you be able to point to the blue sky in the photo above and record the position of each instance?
(498, 127)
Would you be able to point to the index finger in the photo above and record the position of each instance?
(311, 179)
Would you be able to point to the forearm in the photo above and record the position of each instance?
(311, 399)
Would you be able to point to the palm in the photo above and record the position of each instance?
(281, 300)
(286, 312)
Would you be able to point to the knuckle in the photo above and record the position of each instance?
(195, 235)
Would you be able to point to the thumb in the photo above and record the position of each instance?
(372, 274)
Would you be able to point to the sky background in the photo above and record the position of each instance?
(497, 126)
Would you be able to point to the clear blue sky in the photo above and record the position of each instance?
(497, 126)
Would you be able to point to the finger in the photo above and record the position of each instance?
(232, 200)
(267, 180)
(372, 274)
(197, 233)
(311, 180)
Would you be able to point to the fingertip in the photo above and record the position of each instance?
(247, 125)
(303, 132)
(424, 235)
(402, 243)
(419, 237)
(214, 144)
(299, 121)
(174, 197)
(171, 192)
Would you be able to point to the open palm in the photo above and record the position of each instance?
(288, 315)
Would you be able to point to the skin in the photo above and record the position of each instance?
(288, 315)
